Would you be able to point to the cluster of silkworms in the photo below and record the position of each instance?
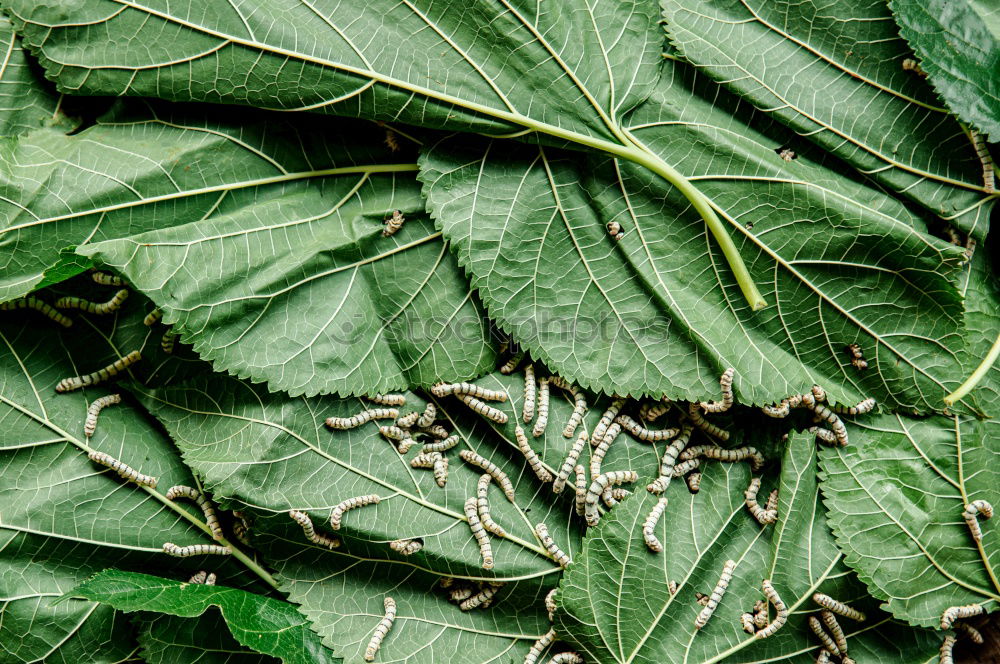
(833, 640)
(836, 434)
(469, 595)
(857, 356)
(406, 547)
(475, 397)
(169, 337)
(203, 577)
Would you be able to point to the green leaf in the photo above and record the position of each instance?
(206, 640)
(981, 291)
(614, 604)
(833, 72)
(959, 48)
(264, 624)
(652, 312)
(896, 497)
(27, 100)
(260, 240)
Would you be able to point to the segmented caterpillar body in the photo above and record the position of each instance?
(479, 532)
(669, 459)
(391, 141)
(539, 646)
(653, 411)
(501, 478)
(153, 317)
(484, 409)
(685, 467)
(393, 432)
(945, 655)
(387, 399)
(382, 629)
(838, 607)
(861, 408)
(746, 620)
(406, 547)
(567, 657)
(599, 452)
(581, 489)
(196, 550)
(512, 363)
(649, 526)
(98, 308)
(597, 487)
(823, 435)
(784, 408)
(481, 599)
(579, 405)
(441, 445)
(750, 454)
(569, 463)
(601, 428)
(726, 384)
(41, 307)
(204, 578)
(337, 515)
(440, 469)
(534, 461)
(483, 505)
(954, 613)
(763, 515)
(836, 631)
(199, 499)
(168, 341)
(614, 230)
(972, 511)
(530, 387)
(828, 643)
(126, 472)
(694, 413)
(827, 415)
(694, 482)
(787, 155)
(408, 421)
(241, 528)
(94, 409)
(105, 279)
(425, 459)
(970, 631)
(393, 223)
(427, 418)
(543, 407)
(437, 431)
(824, 657)
(983, 153)
(717, 593)
(363, 417)
(550, 603)
(780, 608)
(772, 502)
(306, 523)
(642, 433)
(550, 545)
(858, 360)
(469, 389)
(99, 376)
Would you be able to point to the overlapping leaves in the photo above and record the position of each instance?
(26, 103)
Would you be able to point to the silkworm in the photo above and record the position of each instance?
(761, 514)
(479, 532)
(694, 482)
(393, 223)
(126, 472)
(306, 523)
(642, 433)
(649, 526)
(440, 468)
(484, 409)
(38, 305)
(857, 356)
(567, 467)
(581, 489)
(204, 578)
(746, 620)
(241, 528)
(512, 363)
(717, 593)
(701, 598)
(99, 308)
(391, 141)
(105, 279)
(382, 629)
(579, 406)
(406, 547)
(601, 428)
(617, 493)
(827, 415)
(392, 432)
(168, 341)
(567, 657)
(782, 611)
(199, 499)
(787, 154)
(614, 230)
(153, 317)
(99, 376)
(387, 399)
(539, 646)
(831, 623)
(425, 459)
(408, 421)
(363, 417)
(838, 607)
(823, 657)
(94, 409)
(945, 654)
(550, 603)
(483, 598)
(528, 409)
(461, 593)
(669, 458)
(195, 550)
(445, 389)
(772, 502)
(427, 418)
(860, 408)
(597, 487)
(501, 478)
(983, 153)
(760, 614)
(599, 452)
(970, 631)
(819, 394)
(750, 454)
(694, 413)
(551, 547)
(972, 510)
(824, 435)
(672, 587)
(726, 385)
(543, 407)
(954, 613)
(337, 515)
(483, 505)
(441, 445)
(685, 467)
(784, 408)
(437, 431)
(534, 461)
(824, 638)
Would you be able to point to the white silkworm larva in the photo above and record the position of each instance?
(828, 643)
(750, 454)
(425, 460)
(606, 419)
(823, 657)
(823, 435)
(387, 399)
(539, 646)
(615, 230)
(530, 387)
(306, 523)
(836, 424)
(479, 532)
(461, 593)
(550, 603)
(393, 223)
(99, 308)
(512, 363)
(441, 445)
(685, 467)
(543, 407)
(581, 489)
(642, 433)
(838, 607)
(440, 469)
(199, 499)
(579, 410)
(124, 471)
(865, 406)
(717, 593)
(567, 657)
(168, 341)
(654, 411)
(550, 545)
(836, 631)
(694, 413)
(970, 631)
(787, 155)
(381, 629)
(445, 389)
(954, 613)
(746, 620)
(858, 360)
(337, 515)
(408, 421)
(779, 606)
(569, 463)
(760, 614)
(94, 409)
(105, 279)
(534, 461)
(772, 502)
(672, 587)
(945, 654)
(437, 431)
(597, 487)
(153, 317)
(669, 459)
(427, 418)
(484, 409)
(38, 305)
(784, 408)
(406, 547)
(99, 376)
(726, 384)
(694, 482)
(481, 599)
(362, 418)
(195, 550)
(393, 432)
(970, 514)
(649, 526)
(983, 153)
(204, 578)
(241, 528)
(599, 452)
(761, 514)
(483, 505)
(501, 478)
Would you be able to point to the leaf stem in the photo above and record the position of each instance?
(976, 376)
